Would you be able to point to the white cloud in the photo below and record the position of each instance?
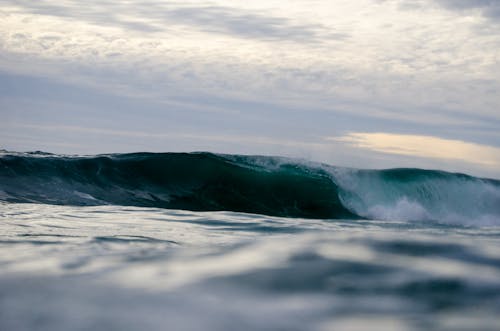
(424, 146)
(381, 63)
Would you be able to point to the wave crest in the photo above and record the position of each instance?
(254, 184)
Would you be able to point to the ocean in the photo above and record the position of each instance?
(201, 241)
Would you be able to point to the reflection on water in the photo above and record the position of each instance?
(123, 268)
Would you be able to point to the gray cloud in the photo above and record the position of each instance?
(159, 16)
(135, 66)
(227, 20)
(489, 8)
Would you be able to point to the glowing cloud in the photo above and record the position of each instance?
(424, 146)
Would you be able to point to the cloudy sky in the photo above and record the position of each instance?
(365, 83)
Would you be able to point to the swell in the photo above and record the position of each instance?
(194, 181)
(253, 184)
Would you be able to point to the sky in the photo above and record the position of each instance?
(358, 83)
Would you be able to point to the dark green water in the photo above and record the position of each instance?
(253, 184)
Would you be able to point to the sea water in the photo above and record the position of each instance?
(210, 242)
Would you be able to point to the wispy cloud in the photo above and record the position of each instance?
(158, 16)
(424, 146)
(289, 73)
(488, 8)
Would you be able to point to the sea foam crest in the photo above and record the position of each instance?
(416, 194)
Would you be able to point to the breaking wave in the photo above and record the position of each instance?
(253, 184)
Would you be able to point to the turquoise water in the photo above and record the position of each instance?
(272, 186)
(86, 244)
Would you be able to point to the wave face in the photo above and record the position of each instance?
(416, 194)
(253, 184)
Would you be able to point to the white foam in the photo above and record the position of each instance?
(84, 195)
(403, 209)
(454, 199)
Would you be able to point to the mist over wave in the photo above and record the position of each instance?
(272, 186)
